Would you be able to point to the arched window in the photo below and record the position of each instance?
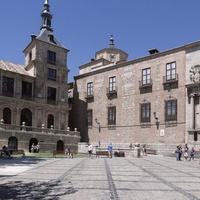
(50, 121)
(60, 145)
(12, 143)
(7, 115)
(26, 116)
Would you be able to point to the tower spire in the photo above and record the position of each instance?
(112, 41)
(46, 17)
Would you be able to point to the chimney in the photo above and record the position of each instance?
(153, 51)
(33, 36)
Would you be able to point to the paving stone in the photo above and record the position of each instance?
(146, 178)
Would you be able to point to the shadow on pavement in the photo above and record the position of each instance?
(15, 161)
(34, 190)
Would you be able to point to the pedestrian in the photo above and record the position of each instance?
(110, 148)
(192, 152)
(179, 153)
(68, 153)
(186, 149)
(144, 150)
(90, 150)
(38, 147)
(99, 143)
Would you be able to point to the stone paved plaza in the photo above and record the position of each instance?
(150, 177)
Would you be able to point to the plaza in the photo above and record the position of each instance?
(148, 177)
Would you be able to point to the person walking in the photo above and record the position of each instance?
(144, 150)
(192, 152)
(90, 150)
(180, 153)
(110, 148)
(177, 153)
(186, 149)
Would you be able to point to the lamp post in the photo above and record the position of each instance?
(157, 122)
(99, 127)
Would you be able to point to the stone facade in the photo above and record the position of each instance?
(157, 81)
(193, 95)
(34, 97)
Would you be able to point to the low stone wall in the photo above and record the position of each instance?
(129, 152)
(48, 141)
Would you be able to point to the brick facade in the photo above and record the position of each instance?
(130, 94)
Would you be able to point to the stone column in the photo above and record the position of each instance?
(191, 117)
(34, 118)
(197, 114)
(1, 77)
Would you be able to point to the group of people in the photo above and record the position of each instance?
(35, 148)
(187, 153)
(109, 148)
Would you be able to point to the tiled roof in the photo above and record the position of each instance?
(13, 67)
(44, 36)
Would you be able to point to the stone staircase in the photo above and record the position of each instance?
(161, 149)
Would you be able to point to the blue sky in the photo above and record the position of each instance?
(85, 26)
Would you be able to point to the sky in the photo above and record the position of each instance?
(85, 26)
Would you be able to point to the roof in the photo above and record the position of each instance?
(13, 67)
(44, 36)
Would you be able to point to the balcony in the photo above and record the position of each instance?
(111, 92)
(145, 84)
(27, 97)
(173, 78)
(7, 93)
(51, 101)
(89, 97)
(170, 82)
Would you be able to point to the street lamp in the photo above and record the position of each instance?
(98, 124)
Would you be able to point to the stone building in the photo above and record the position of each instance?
(33, 98)
(193, 94)
(152, 99)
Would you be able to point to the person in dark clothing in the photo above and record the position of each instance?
(180, 153)
(5, 151)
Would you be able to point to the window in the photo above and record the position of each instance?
(112, 115)
(51, 95)
(51, 74)
(50, 121)
(146, 76)
(30, 57)
(170, 110)
(26, 90)
(145, 112)
(89, 117)
(90, 89)
(51, 57)
(7, 115)
(8, 86)
(112, 84)
(171, 71)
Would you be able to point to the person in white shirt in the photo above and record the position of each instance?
(90, 150)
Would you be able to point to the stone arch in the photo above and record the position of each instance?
(31, 142)
(60, 145)
(12, 143)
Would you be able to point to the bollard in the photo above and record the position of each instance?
(137, 150)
